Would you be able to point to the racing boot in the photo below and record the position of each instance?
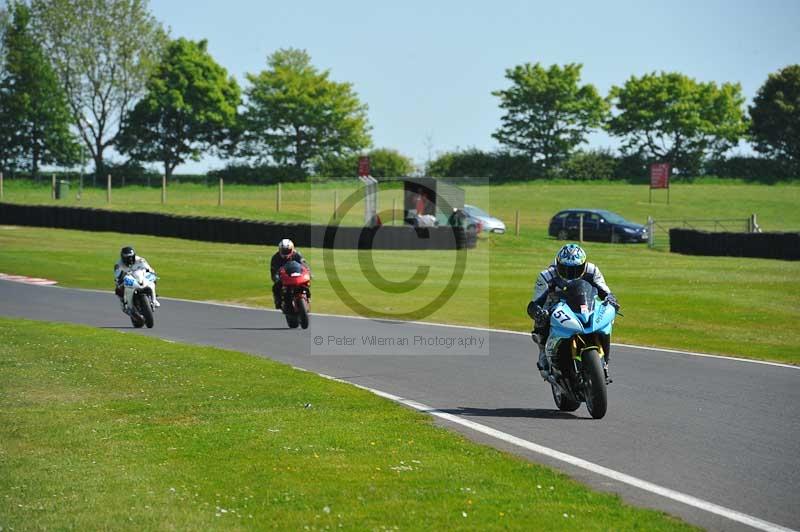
(609, 380)
(124, 306)
(543, 364)
(156, 304)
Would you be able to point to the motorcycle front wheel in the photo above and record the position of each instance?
(302, 312)
(594, 381)
(291, 320)
(145, 309)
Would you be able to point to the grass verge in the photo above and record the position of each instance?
(102, 430)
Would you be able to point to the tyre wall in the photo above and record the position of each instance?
(236, 231)
(784, 246)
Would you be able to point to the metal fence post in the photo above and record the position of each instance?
(108, 189)
(278, 198)
(53, 187)
(335, 203)
(516, 223)
(220, 200)
(651, 239)
(580, 227)
(1, 186)
(394, 209)
(163, 189)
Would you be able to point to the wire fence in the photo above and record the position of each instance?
(658, 230)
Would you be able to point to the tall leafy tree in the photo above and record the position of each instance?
(3, 27)
(296, 115)
(32, 104)
(775, 116)
(384, 162)
(189, 105)
(103, 52)
(673, 118)
(548, 113)
(7, 142)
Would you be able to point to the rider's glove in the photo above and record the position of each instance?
(540, 315)
(611, 300)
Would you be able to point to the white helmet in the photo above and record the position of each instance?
(286, 248)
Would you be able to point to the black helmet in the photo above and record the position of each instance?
(128, 255)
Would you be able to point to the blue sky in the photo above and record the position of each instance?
(426, 69)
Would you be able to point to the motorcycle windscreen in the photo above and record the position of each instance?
(293, 267)
(580, 297)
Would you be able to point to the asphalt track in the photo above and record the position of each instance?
(723, 431)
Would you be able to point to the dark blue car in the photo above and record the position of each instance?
(598, 225)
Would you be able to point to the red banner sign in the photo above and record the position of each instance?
(363, 167)
(659, 175)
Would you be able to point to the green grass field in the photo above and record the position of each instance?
(101, 430)
(537, 201)
(742, 307)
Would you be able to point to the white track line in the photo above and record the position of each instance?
(668, 493)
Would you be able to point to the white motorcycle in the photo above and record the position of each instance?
(139, 296)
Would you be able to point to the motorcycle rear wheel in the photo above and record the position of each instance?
(594, 380)
(564, 403)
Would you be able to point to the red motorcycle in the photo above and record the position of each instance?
(295, 293)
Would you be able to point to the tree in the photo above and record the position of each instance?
(295, 115)
(672, 118)
(547, 113)
(775, 116)
(103, 52)
(189, 105)
(3, 27)
(33, 106)
(384, 162)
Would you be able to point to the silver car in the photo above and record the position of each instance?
(484, 220)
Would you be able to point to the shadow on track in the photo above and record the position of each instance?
(537, 413)
(250, 328)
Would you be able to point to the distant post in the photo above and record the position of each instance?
(651, 239)
(516, 223)
(219, 202)
(394, 209)
(53, 187)
(163, 189)
(1, 186)
(335, 203)
(108, 189)
(580, 227)
(278, 198)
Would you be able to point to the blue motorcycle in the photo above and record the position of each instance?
(580, 337)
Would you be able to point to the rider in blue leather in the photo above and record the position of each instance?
(569, 264)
